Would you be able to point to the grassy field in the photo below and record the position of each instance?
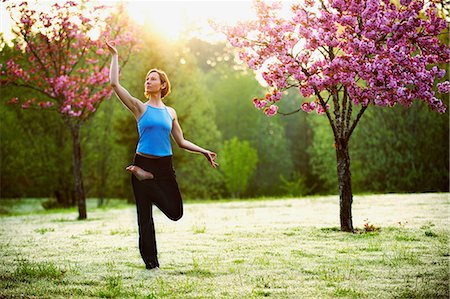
(284, 248)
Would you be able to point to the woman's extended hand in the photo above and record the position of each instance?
(211, 156)
(111, 48)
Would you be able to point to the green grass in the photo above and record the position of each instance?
(285, 248)
(29, 206)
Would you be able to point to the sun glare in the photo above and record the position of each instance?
(173, 19)
(44, 6)
(180, 19)
(183, 19)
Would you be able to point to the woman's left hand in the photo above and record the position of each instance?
(111, 47)
(211, 156)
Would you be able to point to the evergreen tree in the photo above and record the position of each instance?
(238, 165)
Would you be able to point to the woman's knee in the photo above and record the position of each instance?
(177, 216)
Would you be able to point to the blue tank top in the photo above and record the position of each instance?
(154, 128)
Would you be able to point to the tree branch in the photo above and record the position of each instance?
(52, 58)
(349, 113)
(360, 113)
(289, 113)
(324, 6)
(324, 106)
(337, 110)
(34, 88)
(328, 99)
(36, 56)
(291, 85)
(330, 52)
(322, 102)
(344, 110)
(324, 56)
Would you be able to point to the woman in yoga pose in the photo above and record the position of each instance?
(153, 176)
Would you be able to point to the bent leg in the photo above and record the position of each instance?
(167, 197)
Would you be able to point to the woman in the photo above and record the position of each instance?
(153, 176)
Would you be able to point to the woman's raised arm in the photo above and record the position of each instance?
(177, 135)
(133, 104)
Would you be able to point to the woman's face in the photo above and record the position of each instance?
(153, 83)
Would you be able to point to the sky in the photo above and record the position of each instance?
(173, 19)
(177, 18)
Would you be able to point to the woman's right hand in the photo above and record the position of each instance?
(111, 48)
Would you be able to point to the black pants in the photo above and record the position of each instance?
(161, 191)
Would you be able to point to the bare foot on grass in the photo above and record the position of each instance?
(140, 173)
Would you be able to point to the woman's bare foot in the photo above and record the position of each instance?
(140, 173)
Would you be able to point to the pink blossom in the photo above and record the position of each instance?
(75, 114)
(402, 91)
(259, 104)
(444, 87)
(306, 91)
(65, 109)
(47, 104)
(26, 104)
(308, 106)
(320, 109)
(271, 110)
(61, 60)
(274, 97)
(13, 101)
(405, 2)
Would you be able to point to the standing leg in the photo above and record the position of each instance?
(147, 239)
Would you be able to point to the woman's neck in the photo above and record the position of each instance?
(155, 100)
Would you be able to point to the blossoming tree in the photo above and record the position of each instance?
(346, 56)
(59, 55)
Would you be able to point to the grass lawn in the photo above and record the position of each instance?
(281, 248)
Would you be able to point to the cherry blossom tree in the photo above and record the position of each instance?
(346, 56)
(60, 56)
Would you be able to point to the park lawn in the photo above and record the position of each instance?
(280, 248)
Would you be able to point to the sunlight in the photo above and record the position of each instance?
(44, 6)
(174, 20)
(184, 19)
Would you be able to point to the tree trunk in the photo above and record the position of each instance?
(78, 176)
(345, 185)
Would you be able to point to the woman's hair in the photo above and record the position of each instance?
(164, 79)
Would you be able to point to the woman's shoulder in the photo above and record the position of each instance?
(172, 112)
